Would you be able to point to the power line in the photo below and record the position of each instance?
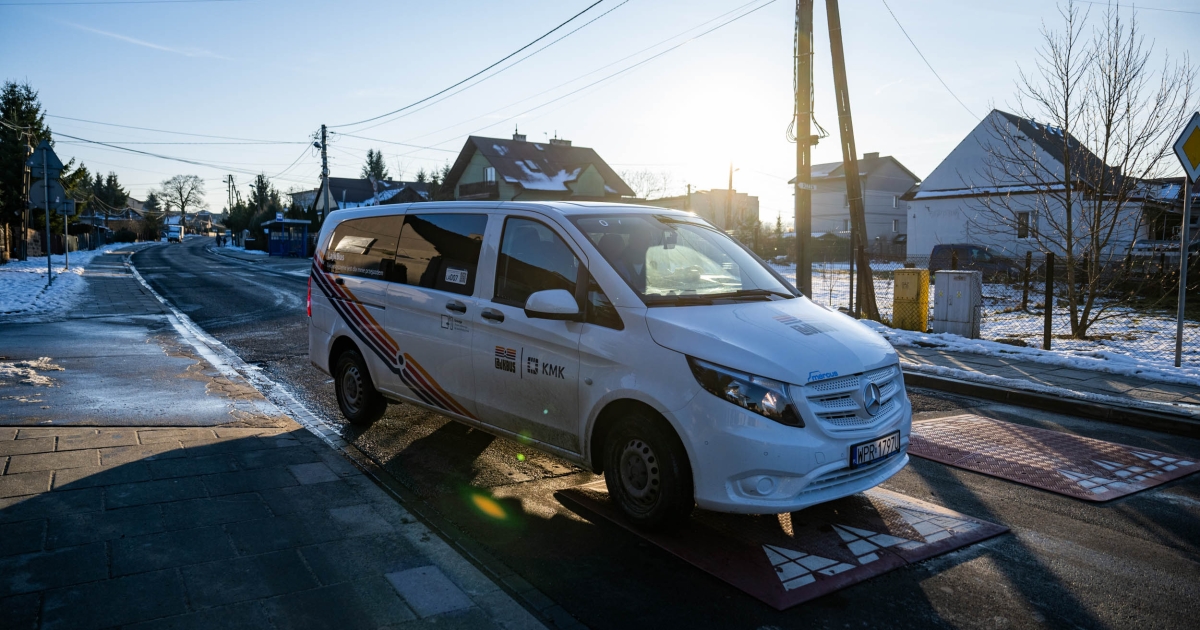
(627, 68)
(177, 133)
(403, 144)
(122, 142)
(927, 64)
(506, 58)
(467, 87)
(1142, 8)
(586, 74)
(163, 157)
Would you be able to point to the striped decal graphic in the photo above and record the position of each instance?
(373, 335)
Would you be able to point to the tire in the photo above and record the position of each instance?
(647, 472)
(360, 402)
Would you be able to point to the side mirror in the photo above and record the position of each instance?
(552, 304)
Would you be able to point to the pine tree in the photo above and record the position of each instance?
(19, 106)
(374, 168)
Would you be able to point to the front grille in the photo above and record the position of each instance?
(845, 475)
(837, 403)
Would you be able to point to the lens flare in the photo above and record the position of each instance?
(488, 506)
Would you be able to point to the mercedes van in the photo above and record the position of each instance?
(639, 342)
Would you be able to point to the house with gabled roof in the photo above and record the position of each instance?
(347, 192)
(1002, 187)
(884, 181)
(516, 169)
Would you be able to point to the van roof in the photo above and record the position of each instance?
(565, 208)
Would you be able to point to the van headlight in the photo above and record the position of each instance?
(761, 395)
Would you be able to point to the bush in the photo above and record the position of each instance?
(124, 235)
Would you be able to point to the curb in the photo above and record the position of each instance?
(1175, 424)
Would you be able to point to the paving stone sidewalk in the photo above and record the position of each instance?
(1133, 390)
(213, 527)
(259, 526)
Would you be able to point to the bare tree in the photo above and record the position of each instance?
(648, 184)
(182, 192)
(1075, 182)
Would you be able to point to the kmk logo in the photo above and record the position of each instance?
(531, 365)
(506, 359)
(552, 370)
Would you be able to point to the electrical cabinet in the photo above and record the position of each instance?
(910, 299)
(958, 303)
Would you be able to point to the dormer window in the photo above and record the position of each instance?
(489, 174)
(533, 166)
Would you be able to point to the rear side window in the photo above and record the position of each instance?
(532, 258)
(440, 251)
(364, 247)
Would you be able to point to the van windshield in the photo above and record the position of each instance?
(673, 260)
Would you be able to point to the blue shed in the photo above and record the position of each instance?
(287, 237)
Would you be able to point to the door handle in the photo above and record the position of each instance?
(456, 306)
(493, 314)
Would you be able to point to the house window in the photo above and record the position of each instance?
(895, 203)
(845, 200)
(895, 223)
(1022, 225)
(489, 174)
(845, 225)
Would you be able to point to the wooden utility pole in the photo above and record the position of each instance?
(804, 142)
(866, 306)
(729, 202)
(325, 192)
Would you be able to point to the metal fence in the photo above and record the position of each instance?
(1137, 308)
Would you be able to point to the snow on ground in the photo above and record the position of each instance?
(1134, 340)
(23, 283)
(254, 252)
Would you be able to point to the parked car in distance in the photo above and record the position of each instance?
(174, 234)
(638, 342)
(973, 258)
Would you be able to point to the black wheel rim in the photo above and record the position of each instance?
(352, 387)
(638, 473)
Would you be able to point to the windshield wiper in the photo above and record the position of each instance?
(678, 300)
(751, 293)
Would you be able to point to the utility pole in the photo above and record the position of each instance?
(49, 249)
(804, 142)
(866, 305)
(1184, 242)
(729, 201)
(325, 192)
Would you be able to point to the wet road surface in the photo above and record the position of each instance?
(1133, 561)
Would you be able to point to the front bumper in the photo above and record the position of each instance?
(745, 463)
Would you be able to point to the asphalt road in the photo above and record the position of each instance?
(1126, 563)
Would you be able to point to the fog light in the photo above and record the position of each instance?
(766, 485)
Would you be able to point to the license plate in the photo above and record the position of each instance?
(876, 449)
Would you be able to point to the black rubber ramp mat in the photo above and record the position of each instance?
(788, 559)
(1080, 467)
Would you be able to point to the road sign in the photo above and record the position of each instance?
(278, 216)
(803, 186)
(1187, 147)
(37, 194)
(44, 155)
(65, 207)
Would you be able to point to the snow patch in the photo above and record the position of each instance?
(26, 372)
(23, 283)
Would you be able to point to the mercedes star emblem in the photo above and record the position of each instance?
(872, 399)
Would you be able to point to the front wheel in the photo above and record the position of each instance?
(357, 397)
(647, 472)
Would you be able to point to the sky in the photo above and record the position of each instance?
(275, 70)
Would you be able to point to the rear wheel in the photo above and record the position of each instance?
(647, 472)
(360, 402)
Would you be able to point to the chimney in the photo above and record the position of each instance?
(560, 142)
(871, 156)
(518, 136)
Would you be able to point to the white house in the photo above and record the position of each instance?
(1004, 185)
(884, 181)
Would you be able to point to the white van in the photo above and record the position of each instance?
(637, 341)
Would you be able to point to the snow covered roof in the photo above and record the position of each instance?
(866, 165)
(538, 166)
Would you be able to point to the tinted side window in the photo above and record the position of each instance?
(532, 258)
(364, 247)
(599, 310)
(440, 251)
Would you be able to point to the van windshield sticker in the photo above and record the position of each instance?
(456, 276)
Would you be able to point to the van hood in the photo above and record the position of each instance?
(795, 341)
